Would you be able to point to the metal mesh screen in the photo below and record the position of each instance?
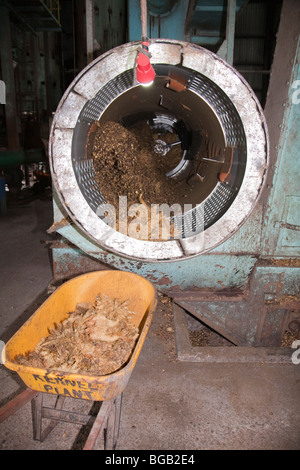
(213, 207)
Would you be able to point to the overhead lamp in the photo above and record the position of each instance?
(144, 71)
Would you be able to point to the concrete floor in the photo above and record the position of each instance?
(168, 404)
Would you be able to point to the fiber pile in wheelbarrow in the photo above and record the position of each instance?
(95, 339)
(130, 290)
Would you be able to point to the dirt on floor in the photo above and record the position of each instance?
(163, 328)
(289, 337)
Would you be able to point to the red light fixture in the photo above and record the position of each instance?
(144, 71)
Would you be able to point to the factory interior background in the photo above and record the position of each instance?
(218, 366)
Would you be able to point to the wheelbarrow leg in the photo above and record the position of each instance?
(99, 425)
(113, 425)
(118, 406)
(37, 417)
(37, 404)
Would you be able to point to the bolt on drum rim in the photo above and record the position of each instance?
(118, 62)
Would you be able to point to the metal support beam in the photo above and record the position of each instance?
(189, 15)
(79, 7)
(48, 72)
(230, 29)
(89, 14)
(227, 48)
(236, 317)
(9, 80)
(52, 8)
(222, 354)
(19, 16)
(282, 112)
(20, 157)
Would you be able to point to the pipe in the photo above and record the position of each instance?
(10, 158)
(144, 18)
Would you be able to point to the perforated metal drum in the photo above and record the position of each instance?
(198, 97)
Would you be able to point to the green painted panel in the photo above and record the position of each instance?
(282, 221)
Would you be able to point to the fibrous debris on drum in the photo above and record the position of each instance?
(125, 164)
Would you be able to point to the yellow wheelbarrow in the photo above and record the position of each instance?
(108, 388)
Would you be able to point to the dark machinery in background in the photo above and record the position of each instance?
(30, 72)
(241, 275)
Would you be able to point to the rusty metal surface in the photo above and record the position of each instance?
(257, 317)
(225, 354)
(212, 272)
(68, 262)
(281, 196)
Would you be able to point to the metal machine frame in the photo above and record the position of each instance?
(259, 264)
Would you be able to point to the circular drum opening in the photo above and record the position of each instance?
(206, 131)
(195, 133)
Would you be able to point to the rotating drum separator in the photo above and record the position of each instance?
(213, 100)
